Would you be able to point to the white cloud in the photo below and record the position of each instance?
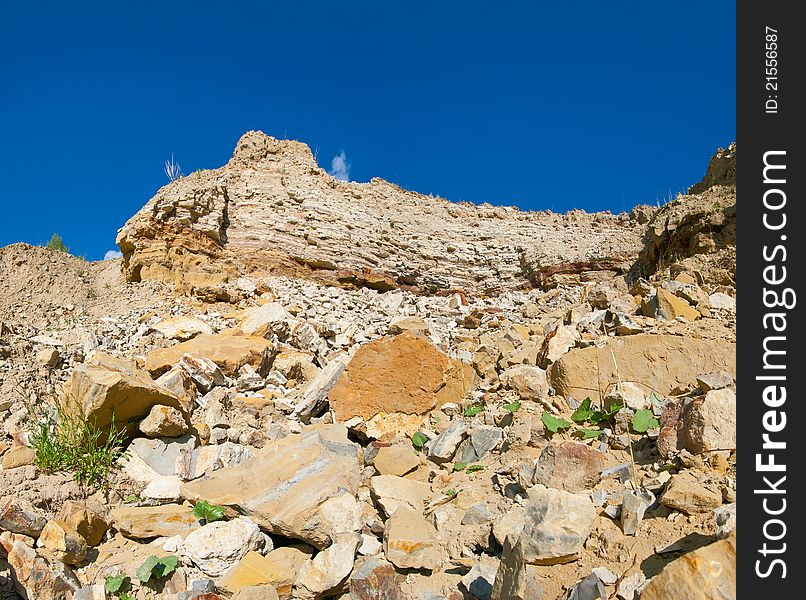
(110, 254)
(339, 167)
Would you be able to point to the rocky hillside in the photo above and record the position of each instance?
(341, 390)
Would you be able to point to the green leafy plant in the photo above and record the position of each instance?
(513, 407)
(460, 466)
(473, 410)
(115, 583)
(474, 468)
(452, 493)
(643, 420)
(204, 511)
(63, 439)
(56, 243)
(131, 499)
(156, 567)
(418, 440)
(554, 424)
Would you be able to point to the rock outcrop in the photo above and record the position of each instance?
(272, 211)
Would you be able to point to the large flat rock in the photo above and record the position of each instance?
(656, 363)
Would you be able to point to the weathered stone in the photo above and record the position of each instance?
(48, 357)
(396, 460)
(230, 352)
(633, 507)
(182, 328)
(105, 386)
(147, 522)
(88, 523)
(725, 519)
(686, 494)
(91, 592)
(267, 319)
(284, 486)
(476, 514)
(278, 568)
(722, 301)
(313, 397)
(17, 515)
(256, 592)
(444, 446)
(665, 305)
(481, 441)
(710, 424)
(409, 541)
(195, 462)
(626, 394)
(204, 373)
(557, 525)
(714, 381)
(561, 340)
(411, 324)
(18, 456)
(570, 466)
(511, 523)
(164, 488)
(529, 383)
(36, 576)
(164, 421)
(392, 492)
(479, 581)
(161, 454)
(217, 546)
(512, 582)
(66, 544)
(707, 573)
(375, 579)
(405, 373)
(326, 574)
(663, 361)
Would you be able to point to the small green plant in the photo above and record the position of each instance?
(474, 468)
(452, 493)
(554, 424)
(156, 567)
(204, 511)
(65, 440)
(513, 407)
(473, 410)
(131, 499)
(56, 243)
(460, 466)
(643, 420)
(418, 440)
(119, 585)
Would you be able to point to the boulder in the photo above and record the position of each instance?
(218, 546)
(17, 515)
(391, 493)
(570, 466)
(375, 579)
(88, 523)
(686, 494)
(409, 541)
(37, 576)
(284, 487)
(665, 305)
(444, 446)
(557, 525)
(327, 572)
(279, 568)
(18, 456)
(105, 386)
(396, 460)
(405, 373)
(229, 352)
(62, 539)
(707, 573)
(182, 327)
(164, 421)
(481, 441)
(704, 424)
(663, 361)
(529, 383)
(148, 522)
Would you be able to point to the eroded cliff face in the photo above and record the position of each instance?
(272, 211)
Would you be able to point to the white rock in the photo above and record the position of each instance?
(216, 547)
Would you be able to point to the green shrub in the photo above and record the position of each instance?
(67, 441)
(56, 243)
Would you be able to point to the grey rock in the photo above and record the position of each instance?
(161, 453)
(444, 447)
(481, 441)
(633, 506)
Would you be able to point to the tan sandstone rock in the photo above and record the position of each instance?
(227, 351)
(662, 361)
(405, 373)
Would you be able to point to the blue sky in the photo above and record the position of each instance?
(556, 105)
